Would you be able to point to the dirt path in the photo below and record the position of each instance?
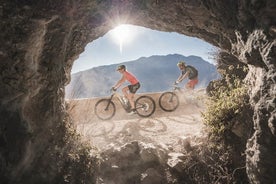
(162, 128)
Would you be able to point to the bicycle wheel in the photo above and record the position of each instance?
(168, 101)
(105, 109)
(145, 106)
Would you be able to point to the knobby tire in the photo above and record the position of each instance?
(101, 110)
(145, 106)
(168, 101)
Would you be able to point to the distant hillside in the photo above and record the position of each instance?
(155, 73)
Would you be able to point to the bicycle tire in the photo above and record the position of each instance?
(168, 101)
(145, 106)
(101, 110)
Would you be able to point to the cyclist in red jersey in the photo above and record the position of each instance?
(187, 72)
(130, 90)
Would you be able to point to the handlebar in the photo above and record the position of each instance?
(113, 89)
(114, 93)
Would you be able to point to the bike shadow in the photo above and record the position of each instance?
(119, 132)
(123, 128)
(158, 130)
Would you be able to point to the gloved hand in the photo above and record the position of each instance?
(113, 89)
(176, 82)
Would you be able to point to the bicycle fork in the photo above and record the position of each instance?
(109, 102)
(171, 98)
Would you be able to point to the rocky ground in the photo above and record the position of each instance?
(142, 150)
(162, 128)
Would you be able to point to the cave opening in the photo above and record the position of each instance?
(91, 83)
(119, 138)
(163, 49)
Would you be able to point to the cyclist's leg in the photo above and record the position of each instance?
(131, 100)
(128, 95)
(125, 91)
(132, 91)
(191, 84)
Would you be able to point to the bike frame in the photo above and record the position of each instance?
(125, 106)
(144, 105)
(119, 97)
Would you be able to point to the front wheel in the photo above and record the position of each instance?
(168, 101)
(105, 109)
(145, 106)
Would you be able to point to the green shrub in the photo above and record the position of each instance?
(220, 158)
(225, 102)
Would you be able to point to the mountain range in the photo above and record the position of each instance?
(155, 73)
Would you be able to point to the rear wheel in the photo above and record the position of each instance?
(145, 106)
(168, 101)
(105, 109)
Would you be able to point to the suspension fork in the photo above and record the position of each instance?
(171, 98)
(174, 93)
(109, 102)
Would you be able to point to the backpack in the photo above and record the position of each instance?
(193, 72)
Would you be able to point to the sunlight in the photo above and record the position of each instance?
(122, 34)
(129, 42)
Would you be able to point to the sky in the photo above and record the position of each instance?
(129, 42)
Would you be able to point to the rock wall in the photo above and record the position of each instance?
(41, 39)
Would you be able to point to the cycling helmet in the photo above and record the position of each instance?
(181, 63)
(121, 67)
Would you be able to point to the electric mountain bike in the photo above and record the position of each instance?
(105, 109)
(169, 101)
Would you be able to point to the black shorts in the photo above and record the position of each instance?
(134, 88)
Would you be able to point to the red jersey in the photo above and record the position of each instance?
(130, 77)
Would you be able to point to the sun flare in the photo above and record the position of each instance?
(122, 34)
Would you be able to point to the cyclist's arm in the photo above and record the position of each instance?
(120, 82)
(183, 76)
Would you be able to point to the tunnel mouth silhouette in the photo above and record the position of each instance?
(82, 97)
